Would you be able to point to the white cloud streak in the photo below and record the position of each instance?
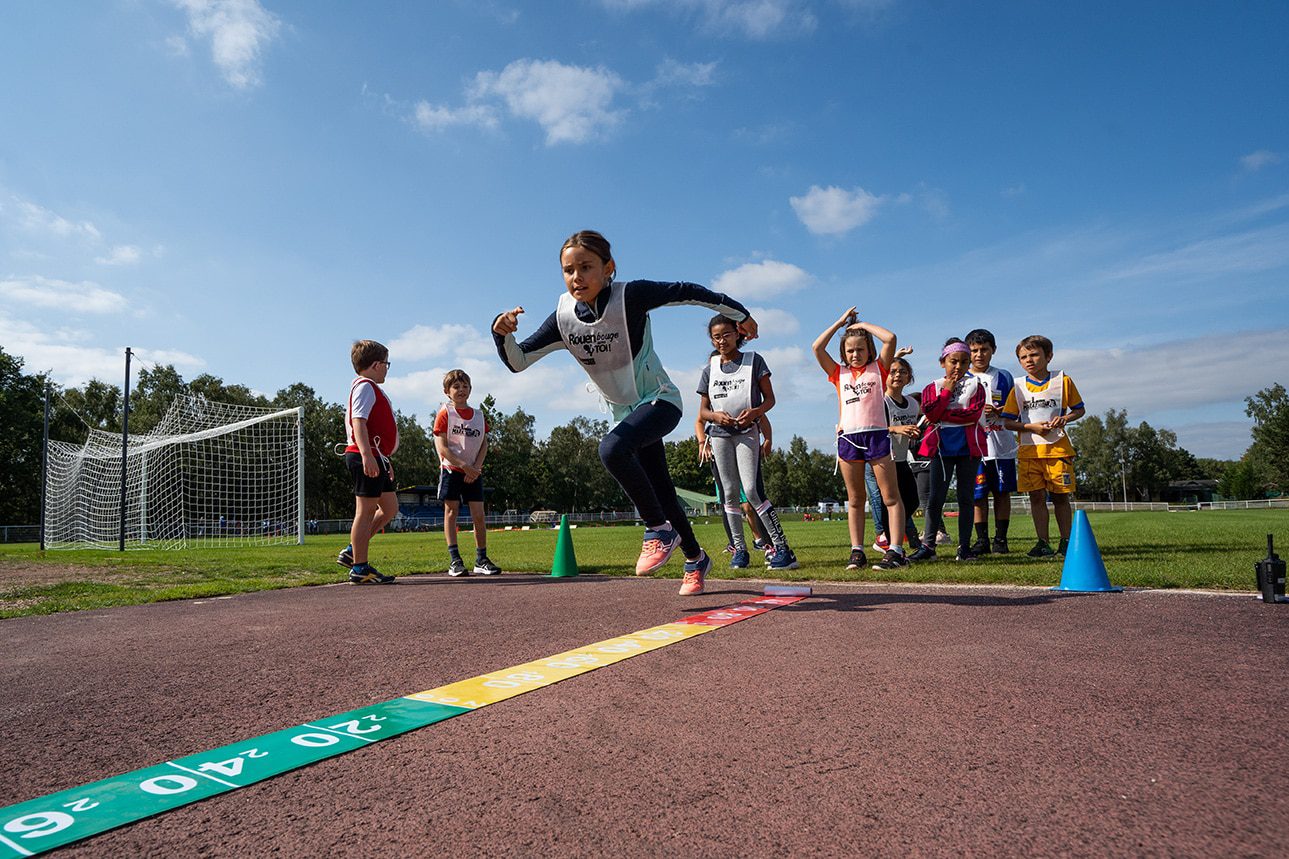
(572, 104)
(48, 293)
(753, 19)
(1255, 161)
(120, 255)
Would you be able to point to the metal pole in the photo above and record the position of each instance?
(125, 445)
(1123, 475)
(44, 469)
(299, 491)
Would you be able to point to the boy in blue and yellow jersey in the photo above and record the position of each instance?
(1038, 409)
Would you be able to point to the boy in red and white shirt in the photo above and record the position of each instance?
(371, 436)
(461, 439)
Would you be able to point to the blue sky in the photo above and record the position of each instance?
(242, 188)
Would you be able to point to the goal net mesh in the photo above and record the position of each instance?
(209, 474)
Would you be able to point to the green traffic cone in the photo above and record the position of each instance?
(565, 563)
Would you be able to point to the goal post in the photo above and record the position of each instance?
(209, 474)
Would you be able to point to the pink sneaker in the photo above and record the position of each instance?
(657, 548)
(881, 544)
(695, 575)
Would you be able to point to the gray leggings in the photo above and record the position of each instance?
(738, 466)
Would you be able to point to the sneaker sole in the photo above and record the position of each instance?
(459, 575)
(486, 572)
(792, 566)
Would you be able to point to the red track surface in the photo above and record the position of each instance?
(887, 720)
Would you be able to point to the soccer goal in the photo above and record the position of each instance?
(210, 474)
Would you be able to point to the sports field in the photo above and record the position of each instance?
(1210, 549)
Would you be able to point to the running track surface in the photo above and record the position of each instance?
(876, 720)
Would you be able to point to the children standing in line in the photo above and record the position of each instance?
(461, 439)
(997, 474)
(371, 439)
(605, 325)
(863, 436)
(954, 442)
(735, 391)
(1039, 410)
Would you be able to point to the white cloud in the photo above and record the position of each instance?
(239, 31)
(772, 322)
(423, 342)
(674, 73)
(43, 292)
(760, 280)
(571, 103)
(835, 211)
(1255, 161)
(1206, 370)
(1249, 251)
(71, 361)
(120, 255)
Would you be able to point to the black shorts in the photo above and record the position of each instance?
(453, 487)
(369, 487)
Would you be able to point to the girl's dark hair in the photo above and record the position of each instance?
(721, 319)
(907, 366)
(592, 241)
(953, 340)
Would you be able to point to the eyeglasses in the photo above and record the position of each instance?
(726, 336)
(386, 363)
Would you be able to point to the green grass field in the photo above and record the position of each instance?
(1211, 549)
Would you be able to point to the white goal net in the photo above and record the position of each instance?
(210, 474)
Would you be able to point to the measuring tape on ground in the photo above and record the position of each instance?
(47, 822)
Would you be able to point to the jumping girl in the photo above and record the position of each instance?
(863, 435)
(954, 442)
(605, 324)
(735, 393)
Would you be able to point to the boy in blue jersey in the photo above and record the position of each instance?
(997, 473)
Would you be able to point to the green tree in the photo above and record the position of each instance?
(1102, 446)
(576, 479)
(1269, 409)
(514, 465)
(22, 409)
(417, 461)
(97, 405)
(328, 489)
(1244, 479)
(685, 469)
(152, 395)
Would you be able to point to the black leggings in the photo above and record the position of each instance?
(908, 497)
(962, 469)
(633, 453)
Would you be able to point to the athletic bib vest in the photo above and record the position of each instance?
(463, 437)
(861, 398)
(1000, 442)
(381, 428)
(603, 347)
(963, 391)
(731, 392)
(901, 416)
(1039, 407)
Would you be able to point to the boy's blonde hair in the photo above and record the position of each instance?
(1037, 341)
(364, 353)
(451, 377)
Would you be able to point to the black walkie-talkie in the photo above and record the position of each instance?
(1271, 575)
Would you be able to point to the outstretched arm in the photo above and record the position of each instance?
(519, 356)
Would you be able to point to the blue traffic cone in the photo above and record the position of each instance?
(1084, 571)
(565, 561)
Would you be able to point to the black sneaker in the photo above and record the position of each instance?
(1041, 550)
(892, 560)
(966, 555)
(857, 560)
(1000, 546)
(485, 567)
(457, 568)
(924, 553)
(346, 557)
(366, 574)
(980, 547)
(1062, 547)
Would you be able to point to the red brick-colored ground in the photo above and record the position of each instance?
(886, 720)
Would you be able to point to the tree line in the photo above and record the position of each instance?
(563, 471)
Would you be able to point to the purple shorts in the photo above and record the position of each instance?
(864, 446)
